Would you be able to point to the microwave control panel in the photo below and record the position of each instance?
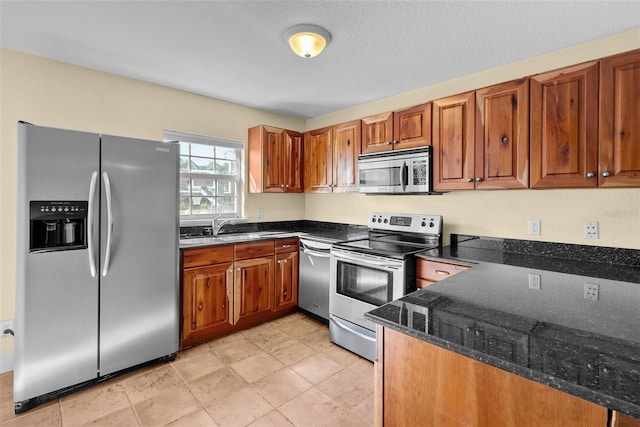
(413, 223)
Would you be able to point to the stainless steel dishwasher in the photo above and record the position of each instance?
(313, 285)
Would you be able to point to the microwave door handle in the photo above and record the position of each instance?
(404, 177)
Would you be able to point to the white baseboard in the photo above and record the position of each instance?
(6, 362)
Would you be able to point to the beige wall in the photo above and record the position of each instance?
(51, 93)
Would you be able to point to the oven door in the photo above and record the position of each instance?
(362, 282)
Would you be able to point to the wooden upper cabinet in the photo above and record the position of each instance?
(564, 127)
(619, 149)
(377, 133)
(318, 160)
(346, 148)
(408, 128)
(502, 136)
(275, 160)
(412, 127)
(453, 142)
(331, 158)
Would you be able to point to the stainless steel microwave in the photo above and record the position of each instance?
(395, 172)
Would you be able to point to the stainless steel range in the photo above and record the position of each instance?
(370, 272)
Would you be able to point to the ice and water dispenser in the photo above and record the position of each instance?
(58, 225)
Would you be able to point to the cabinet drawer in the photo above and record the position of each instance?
(437, 270)
(287, 245)
(206, 256)
(254, 249)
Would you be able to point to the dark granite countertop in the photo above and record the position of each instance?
(552, 335)
(197, 237)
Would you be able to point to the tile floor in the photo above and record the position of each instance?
(282, 373)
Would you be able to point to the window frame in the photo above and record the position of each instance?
(206, 219)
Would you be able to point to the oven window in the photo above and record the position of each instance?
(364, 283)
(385, 176)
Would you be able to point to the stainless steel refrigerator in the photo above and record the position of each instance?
(97, 259)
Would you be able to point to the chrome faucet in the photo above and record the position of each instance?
(218, 223)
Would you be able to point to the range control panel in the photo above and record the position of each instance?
(412, 223)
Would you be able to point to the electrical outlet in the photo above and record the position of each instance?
(6, 325)
(534, 281)
(260, 213)
(591, 230)
(534, 227)
(591, 291)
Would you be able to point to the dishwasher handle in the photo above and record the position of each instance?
(324, 251)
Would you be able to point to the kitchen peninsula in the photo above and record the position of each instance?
(492, 346)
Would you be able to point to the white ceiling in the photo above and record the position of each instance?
(235, 51)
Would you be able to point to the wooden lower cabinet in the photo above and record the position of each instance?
(226, 288)
(254, 287)
(429, 272)
(418, 383)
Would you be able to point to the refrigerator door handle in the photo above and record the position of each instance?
(107, 188)
(92, 198)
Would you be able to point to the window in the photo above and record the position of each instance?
(210, 176)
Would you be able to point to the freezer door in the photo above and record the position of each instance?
(139, 252)
(56, 341)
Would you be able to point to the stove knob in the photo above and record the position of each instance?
(379, 220)
(431, 224)
(423, 224)
(385, 220)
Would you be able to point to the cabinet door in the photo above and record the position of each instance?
(506, 344)
(346, 148)
(453, 142)
(207, 298)
(560, 359)
(292, 161)
(286, 280)
(318, 160)
(412, 127)
(620, 121)
(273, 152)
(377, 133)
(502, 136)
(564, 128)
(253, 287)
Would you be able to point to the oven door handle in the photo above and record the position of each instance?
(368, 262)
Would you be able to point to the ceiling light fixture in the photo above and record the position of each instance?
(307, 40)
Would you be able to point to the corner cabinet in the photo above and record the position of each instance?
(408, 128)
(619, 149)
(564, 128)
(230, 287)
(275, 160)
(331, 158)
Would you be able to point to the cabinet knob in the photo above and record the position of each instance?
(395, 141)
(286, 186)
(606, 174)
(239, 269)
(505, 140)
(589, 366)
(388, 142)
(208, 282)
(231, 270)
(200, 307)
(445, 272)
(468, 329)
(478, 179)
(282, 185)
(605, 370)
(591, 175)
(284, 293)
(469, 179)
